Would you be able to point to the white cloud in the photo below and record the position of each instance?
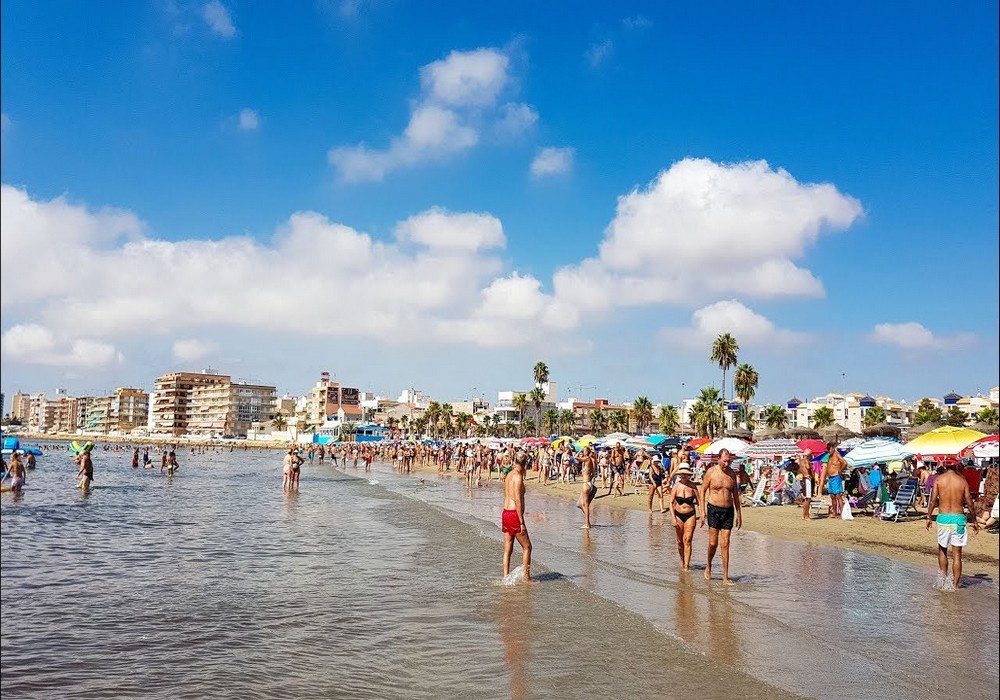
(249, 119)
(702, 230)
(36, 344)
(748, 327)
(192, 350)
(439, 228)
(459, 96)
(914, 336)
(552, 161)
(218, 19)
(600, 52)
(466, 77)
(637, 22)
(516, 118)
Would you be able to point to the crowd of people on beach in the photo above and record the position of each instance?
(693, 489)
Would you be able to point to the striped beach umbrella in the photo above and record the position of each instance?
(779, 447)
(877, 451)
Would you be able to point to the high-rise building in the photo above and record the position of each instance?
(170, 402)
(208, 404)
(329, 401)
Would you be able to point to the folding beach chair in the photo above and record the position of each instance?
(757, 497)
(865, 503)
(899, 507)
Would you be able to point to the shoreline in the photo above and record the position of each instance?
(908, 541)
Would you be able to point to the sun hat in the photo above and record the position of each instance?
(684, 468)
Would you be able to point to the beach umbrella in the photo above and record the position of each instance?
(585, 441)
(882, 430)
(946, 440)
(983, 448)
(734, 445)
(617, 436)
(850, 443)
(987, 428)
(612, 441)
(802, 434)
(877, 451)
(695, 443)
(559, 441)
(815, 446)
(769, 434)
(779, 447)
(922, 428)
(655, 440)
(741, 433)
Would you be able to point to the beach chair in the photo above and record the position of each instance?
(865, 503)
(757, 497)
(899, 508)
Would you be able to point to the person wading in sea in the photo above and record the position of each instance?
(949, 495)
(86, 473)
(512, 521)
(720, 502)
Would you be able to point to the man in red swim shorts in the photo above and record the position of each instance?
(512, 519)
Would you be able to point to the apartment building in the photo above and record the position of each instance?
(328, 401)
(171, 400)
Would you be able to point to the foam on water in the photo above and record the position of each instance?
(514, 577)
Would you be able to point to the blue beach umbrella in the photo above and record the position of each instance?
(877, 451)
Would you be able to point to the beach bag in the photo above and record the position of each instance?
(845, 512)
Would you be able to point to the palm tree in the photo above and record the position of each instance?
(551, 421)
(642, 412)
(775, 417)
(420, 425)
(528, 425)
(446, 416)
(568, 418)
(279, 423)
(724, 351)
(707, 414)
(745, 380)
(433, 413)
(391, 424)
(988, 415)
(618, 421)
(541, 373)
(823, 417)
(537, 397)
(404, 425)
(669, 420)
(598, 421)
(874, 416)
(520, 403)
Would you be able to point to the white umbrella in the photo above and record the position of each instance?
(877, 451)
(735, 446)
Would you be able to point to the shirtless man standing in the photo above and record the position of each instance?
(512, 521)
(617, 470)
(719, 498)
(804, 464)
(832, 475)
(949, 494)
(588, 466)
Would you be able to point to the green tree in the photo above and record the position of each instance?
(567, 418)
(642, 413)
(433, 415)
(541, 373)
(529, 425)
(927, 412)
(446, 418)
(537, 397)
(618, 421)
(707, 413)
(745, 379)
(420, 425)
(874, 416)
(724, 351)
(775, 417)
(988, 415)
(823, 417)
(391, 424)
(279, 423)
(520, 403)
(669, 420)
(956, 417)
(462, 423)
(551, 421)
(598, 421)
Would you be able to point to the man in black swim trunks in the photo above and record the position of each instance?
(720, 502)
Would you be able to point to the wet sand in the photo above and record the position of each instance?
(907, 541)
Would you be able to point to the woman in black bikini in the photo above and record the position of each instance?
(684, 509)
(656, 483)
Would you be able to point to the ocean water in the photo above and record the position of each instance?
(216, 584)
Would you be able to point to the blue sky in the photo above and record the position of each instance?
(440, 194)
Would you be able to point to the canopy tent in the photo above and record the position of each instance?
(946, 440)
(877, 451)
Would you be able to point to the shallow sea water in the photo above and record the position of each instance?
(216, 584)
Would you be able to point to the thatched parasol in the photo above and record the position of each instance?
(741, 433)
(802, 434)
(921, 429)
(988, 428)
(769, 434)
(836, 433)
(882, 430)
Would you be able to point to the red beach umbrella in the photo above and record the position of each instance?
(815, 446)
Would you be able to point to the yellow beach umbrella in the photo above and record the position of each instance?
(946, 440)
(586, 440)
(558, 442)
